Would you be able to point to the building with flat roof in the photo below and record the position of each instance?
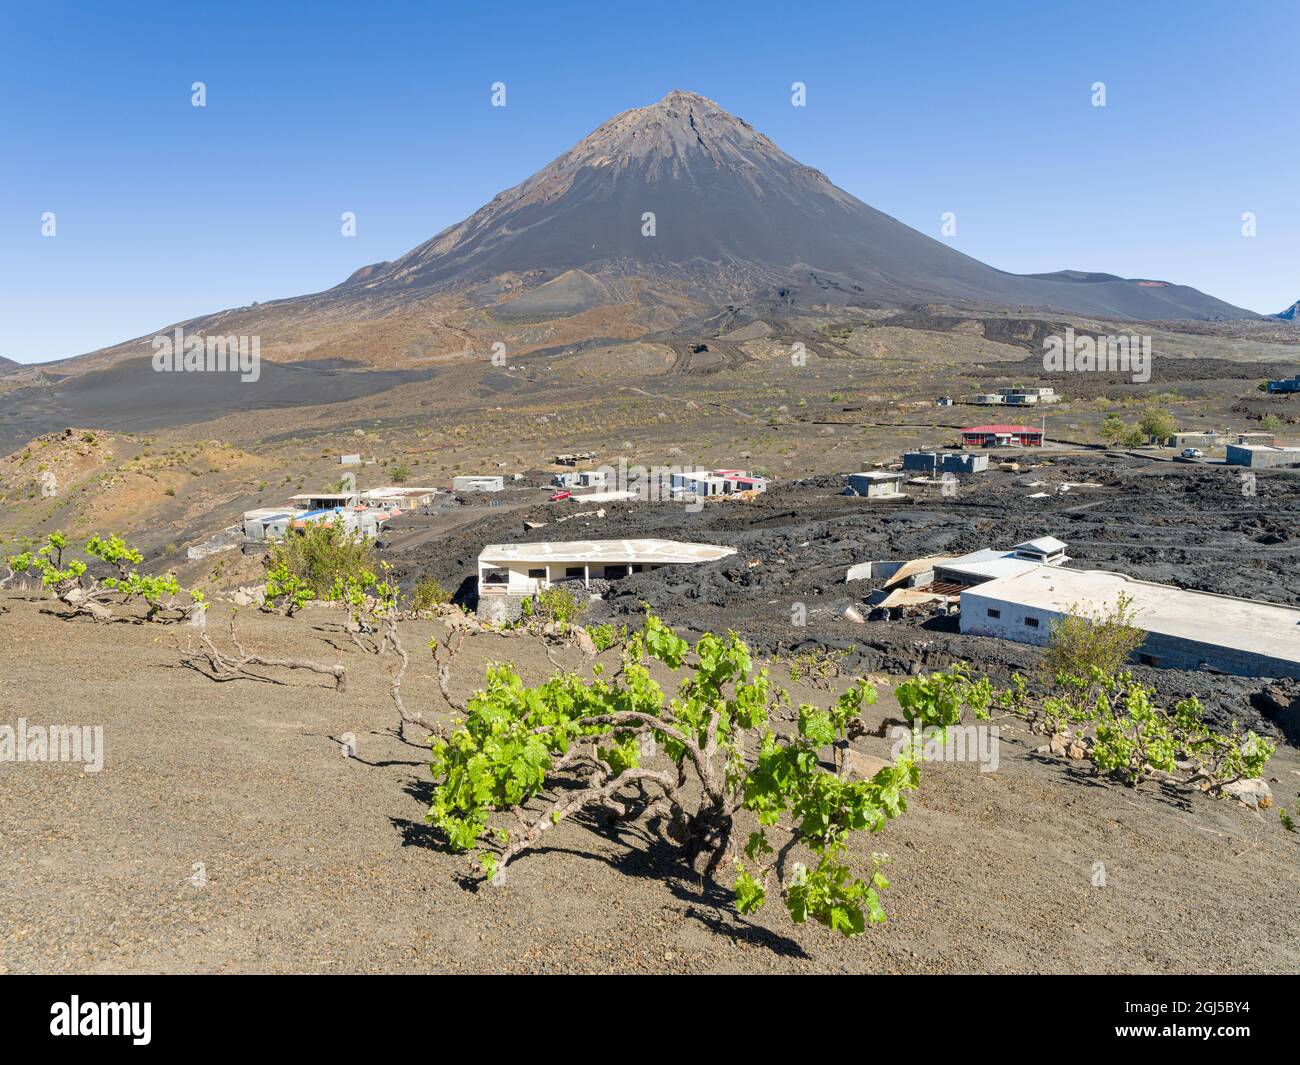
(940, 579)
(479, 483)
(265, 524)
(875, 484)
(1002, 436)
(1196, 438)
(1184, 629)
(1260, 456)
(945, 461)
(397, 497)
(1015, 397)
(703, 483)
(323, 500)
(510, 573)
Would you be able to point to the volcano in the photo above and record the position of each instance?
(682, 191)
(665, 219)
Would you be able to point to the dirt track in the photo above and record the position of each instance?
(319, 863)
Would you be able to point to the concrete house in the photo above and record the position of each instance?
(1023, 397)
(875, 484)
(323, 500)
(1198, 438)
(267, 524)
(933, 462)
(397, 497)
(922, 461)
(510, 573)
(704, 483)
(475, 483)
(1002, 436)
(1015, 397)
(270, 524)
(940, 579)
(600, 480)
(1259, 456)
(1184, 629)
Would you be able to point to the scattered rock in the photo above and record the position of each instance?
(862, 766)
(248, 595)
(1253, 791)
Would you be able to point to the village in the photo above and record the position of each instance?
(565, 515)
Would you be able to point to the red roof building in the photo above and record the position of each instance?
(1002, 436)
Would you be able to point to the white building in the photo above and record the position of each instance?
(876, 484)
(516, 571)
(474, 483)
(323, 500)
(707, 483)
(1184, 629)
(1016, 397)
(397, 497)
(268, 523)
(942, 579)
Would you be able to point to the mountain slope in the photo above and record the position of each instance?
(734, 215)
(739, 226)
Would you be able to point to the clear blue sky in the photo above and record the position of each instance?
(165, 211)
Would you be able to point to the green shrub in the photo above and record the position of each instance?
(705, 764)
(605, 636)
(321, 554)
(428, 594)
(555, 604)
(1089, 639)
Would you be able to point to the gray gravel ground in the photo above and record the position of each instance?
(317, 863)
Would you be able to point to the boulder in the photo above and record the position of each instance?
(862, 766)
(1253, 791)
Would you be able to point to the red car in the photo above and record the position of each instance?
(562, 494)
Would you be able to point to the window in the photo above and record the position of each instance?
(537, 574)
(496, 575)
(1148, 660)
(1031, 623)
(994, 613)
(615, 572)
(575, 572)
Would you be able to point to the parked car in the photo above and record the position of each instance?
(1193, 453)
(563, 494)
